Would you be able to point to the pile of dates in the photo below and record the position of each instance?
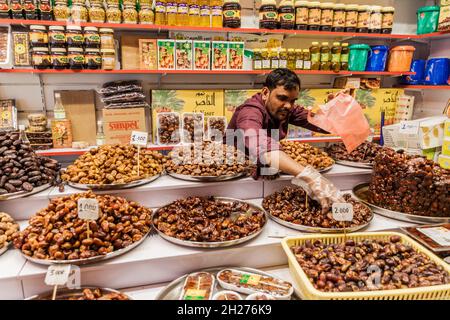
(20, 168)
(207, 159)
(293, 205)
(365, 153)
(208, 220)
(367, 265)
(410, 184)
(56, 232)
(192, 127)
(306, 154)
(114, 164)
(7, 228)
(97, 294)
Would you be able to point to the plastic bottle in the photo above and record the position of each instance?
(286, 15)
(336, 57)
(306, 59)
(283, 58)
(182, 13)
(216, 13)
(265, 57)
(325, 57)
(298, 59)
(160, 12)
(194, 13)
(291, 59)
(315, 56)
(257, 59)
(205, 13)
(58, 110)
(171, 12)
(345, 52)
(23, 134)
(274, 59)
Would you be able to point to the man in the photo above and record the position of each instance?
(275, 108)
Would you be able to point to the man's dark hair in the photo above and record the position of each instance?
(282, 77)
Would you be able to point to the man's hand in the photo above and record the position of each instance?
(318, 188)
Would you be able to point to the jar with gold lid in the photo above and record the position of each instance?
(146, 15)
(113, 14)
(61, 11)
(78, 11)
(96, 13)
(130, 14)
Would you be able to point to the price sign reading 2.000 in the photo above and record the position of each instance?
(342, 211)
(139, 138)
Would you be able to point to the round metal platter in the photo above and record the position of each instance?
(355, 164)
(319, 170)
(221, 244)
(64, 294)
(88, 260)
(23, 194)
(5, 248)
(132, 184)
(173, 290)
(207, 178)
(360, 192)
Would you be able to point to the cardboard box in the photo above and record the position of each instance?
(235, 55)
(219, 55)
(183, 55)
(202, 55)
(444, 161)
(8, 113)
(119, 123)
(148, 53)
(347, 83)
(431, 133)
(446, 147)
(444, 19)
(21, 51)
(447, 128)
(166, 54)
(130, 48)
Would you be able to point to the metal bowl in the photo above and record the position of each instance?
(355, 164)
(221, 244)
(64, 293)
(22, 194)
(360, 192)
(207, 178)
(117, 186)
(5, 248)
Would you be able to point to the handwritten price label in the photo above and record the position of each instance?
(139, 138)
(57, 275)
(342, 211)
(407, 127)
(88, 209)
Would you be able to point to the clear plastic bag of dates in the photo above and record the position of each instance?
(168, 128)
(216, 128)
(344, 117)
(193, 127)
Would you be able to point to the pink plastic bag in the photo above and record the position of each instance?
(344, 117)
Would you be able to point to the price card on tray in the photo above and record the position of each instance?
(408, 127)
(88, 209)
(57, 275)
(342, 211)
(139, 138)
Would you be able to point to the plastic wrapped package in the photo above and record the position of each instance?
(116, 87)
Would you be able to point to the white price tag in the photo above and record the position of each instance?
(88, 209)
(57, 275)
(342, 211)
(139, 138)
(408, 127)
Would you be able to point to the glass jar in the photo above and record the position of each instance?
(45, 10)
(92, 59)
(107, 38)
(387, 20)
(91, 38)
(268, 14)
(30, 10)
(58, 57)
(351, 18)
(146, 15)
(108, 59)
(61, 11)
(339, 18)
(301, 15)
(265, 59)
(314, 15)
(97, 13)
(76, 57)
(274, 59)
(286, 15)
(74, 36)
(291, 59)
(363, 19)
(306, 59)
(40, 58)
(315, 56)
(326, 20)
(57, 36)
(257, 59)
(16, 9)
(283, 59)
(38, 36)
(325, 57)
(345, 53)
(78, 12)
(130, 14)
(231, 14)
(376, 19)
(113, 14)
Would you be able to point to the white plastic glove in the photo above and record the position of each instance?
(318, 187)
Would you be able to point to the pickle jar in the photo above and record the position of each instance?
(108, 59)
(274, 58)
(74, 36)
(113, 14)
(351, 18)
(301, 15)
(387, 20)
(91, 38)
(283, 58)
(106, 38)
(291, 59)
(96, 13)
(306, 59)
(78, 11)
(40, 58)
(61, 11)
(92, 58)
(286, 15)
(314, 15)
(57, 36)
(76, 57)
(146, 15)
(257, 59)
(130, 15)
(376, 19)
(363, 19)
(38, 36)
(339, 18)
(231, 14)
(326, 20)
(58, 57)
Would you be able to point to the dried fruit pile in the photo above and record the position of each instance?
(306, 154)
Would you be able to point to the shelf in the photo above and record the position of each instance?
(160, 28)
(421, 87)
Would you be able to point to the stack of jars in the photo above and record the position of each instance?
(72, 48)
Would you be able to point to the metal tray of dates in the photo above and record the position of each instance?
(207, 178)
(116, 186)
(173, 290)
(5, 248)
(90, 260)
(22, 194)
(68, 294)
(360, 192)
(354, 164)
(197, 244)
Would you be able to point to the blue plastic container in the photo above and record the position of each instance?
(377, 58)
(417, 66)
(437, 71)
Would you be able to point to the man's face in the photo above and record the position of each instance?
(279, 102)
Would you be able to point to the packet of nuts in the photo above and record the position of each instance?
(168, 128)
(219, 55)
(202, 55)
(183, 55)
(193, 127)
(216, 128)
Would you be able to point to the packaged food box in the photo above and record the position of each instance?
(21, 49)
(183, 55)
(446, 147)
(192, 127)
(347, 83)
(447, 128)
(444, 161)
(8, 112)
(219, 55)
(5, 45)
(431, 133)
(62, 133)
(202, 55)
(148, 54)
(444, 18)
(166, 54)
(168, 128)
(235, 55)
(216, 126)
(119, 123)
(198, 286)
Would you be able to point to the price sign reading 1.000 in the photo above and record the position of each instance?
(139, 138)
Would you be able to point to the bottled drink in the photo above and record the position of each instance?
(205, 13)
(160, 12)
(58, 110)
(194, 13)
(325, 57)
(100, 134)
(315, 56)
(171, 12)
(216, 13)
(336, 57)
(345, 52)
(306, 59)
(23, 135)
(182, 13)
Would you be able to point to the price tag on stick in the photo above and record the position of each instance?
(139, 139)
(88, 210)
(343, 212)
(57, 275)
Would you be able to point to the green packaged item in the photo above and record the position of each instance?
(427, 19)
(358, 57)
